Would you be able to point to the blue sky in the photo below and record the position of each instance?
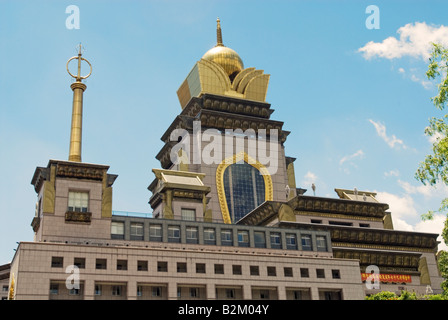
(357, 117)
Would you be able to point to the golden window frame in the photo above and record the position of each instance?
(268, 187)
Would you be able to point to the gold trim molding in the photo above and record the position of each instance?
(378, 247)
(381, 259)
(269, 192)
(337, 216)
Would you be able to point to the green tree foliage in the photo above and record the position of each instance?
(442, 259)
(383, 295)
(405, 295)
(435, 166)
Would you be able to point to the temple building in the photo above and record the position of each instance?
(228, 220)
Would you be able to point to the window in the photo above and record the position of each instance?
(73, 292)
(162, 266)
(200, 267)
(340, 223)
(117, 230)
(291, 241)
(142, 265)
(335, 274)
(226, 238)
(192, 234)
(101, 264)
(297, 294)
(332, 295)
(259, 239)
(254, 271)
(276, 240)
(287, 271)
(209, 236)
(54, 288)
(320, 273)
(230, 293)
(244, 189)
(78, 201)
(243, 238)
(306, 243)
(219, 269)
(173, 234)
(139, 291)
(236, 269)
(321, 242)
(57, 262)
(80, 263)
(5, 288)
(98, 289)
(116, 290)
(264, 294)
(156, 291)
(315, 221)
(188, 214)
(155, 232)
(364, 225)
(122, 264)
(271, 271)
(136, 231)
(194, 293)
(304, 273)
(181, 267)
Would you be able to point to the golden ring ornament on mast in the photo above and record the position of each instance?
(76, 127)
(80, 58)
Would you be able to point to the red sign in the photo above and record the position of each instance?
(400, 278)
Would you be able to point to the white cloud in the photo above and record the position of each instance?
(309, 179)
(392, 141)
(392, 173)
(433, 226)
(439, 190)
(403, 209)
(436, 137)
(402, 225)
(414, 41)
(425, 83)
(400, 207)
(357, 154)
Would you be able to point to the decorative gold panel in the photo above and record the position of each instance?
(83, 217)
(210, 77)
(106, 203)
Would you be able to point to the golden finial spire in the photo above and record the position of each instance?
(219, 33)
(78, 89)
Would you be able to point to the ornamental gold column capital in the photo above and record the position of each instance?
(78, 85)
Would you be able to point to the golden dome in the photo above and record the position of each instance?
(224, 56)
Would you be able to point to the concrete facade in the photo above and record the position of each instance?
(188, 272)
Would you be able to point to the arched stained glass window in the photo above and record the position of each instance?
(244, 189)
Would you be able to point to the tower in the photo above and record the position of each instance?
(74, 198)
(225, 134)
